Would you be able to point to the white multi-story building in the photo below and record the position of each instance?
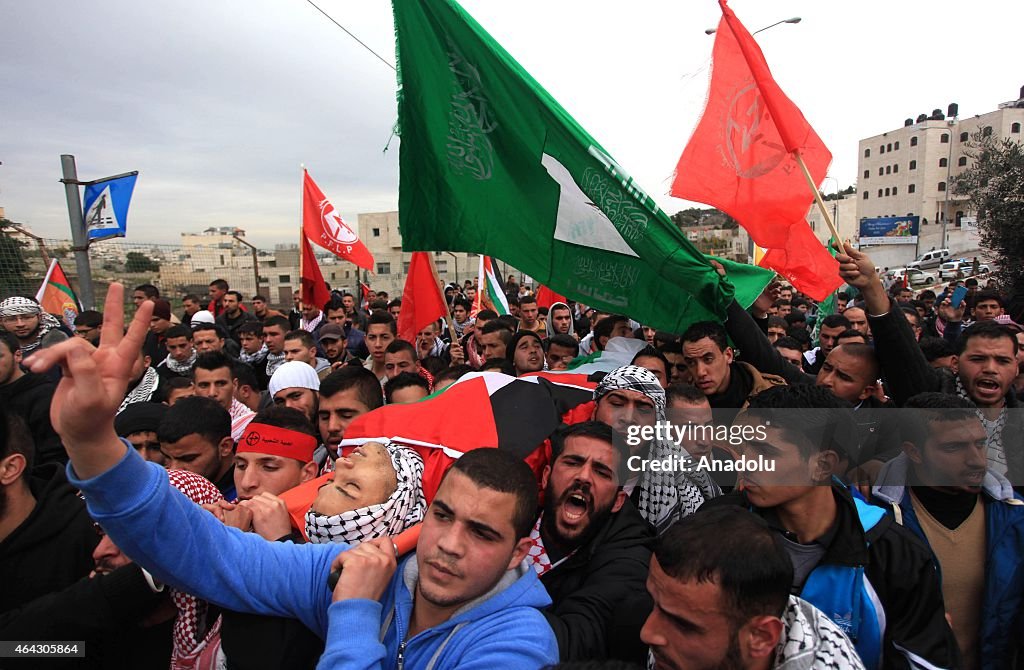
(908, 172)
(379, 232)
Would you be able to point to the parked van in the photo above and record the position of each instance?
(931, 259)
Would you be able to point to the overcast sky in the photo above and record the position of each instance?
(217, 103)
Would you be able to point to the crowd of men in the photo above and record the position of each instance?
(175, 493)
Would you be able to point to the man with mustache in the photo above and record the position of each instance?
(591, 548)
(942, 489)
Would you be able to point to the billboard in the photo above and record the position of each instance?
(889, 230)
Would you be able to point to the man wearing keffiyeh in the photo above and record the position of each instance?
(631, 396)
(26, 319)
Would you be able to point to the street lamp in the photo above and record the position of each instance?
(795, 19)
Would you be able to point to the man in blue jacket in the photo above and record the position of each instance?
(464, 599)
(942, 489)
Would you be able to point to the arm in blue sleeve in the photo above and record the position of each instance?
(185, 546)
(353, 636)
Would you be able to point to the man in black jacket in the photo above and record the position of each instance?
(987, 365)
(46, 536)
(28, 396)
(592, 548)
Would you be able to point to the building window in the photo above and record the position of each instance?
(962, 161)
(913, 165)
(881, 171)
(959, 218)
(913, 141)
(888, 169)
(964, 137)
(867, 153)
(348, 274)
(896, 146)
(405, 268)
(942, 186)
(895, 168)
(881, 149)
(894, 190)
(887, 191)
(986, 131)
(879, 193)
(1015, 128)
(867, 173)
(911, 188)
(944, 138)
(865, 195)
(442, 266)
(284, 279)
(888, 147)
(383, 268)
(376, 232)
(943, 162)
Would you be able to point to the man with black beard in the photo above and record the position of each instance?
(591, 548)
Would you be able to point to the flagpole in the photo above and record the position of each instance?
(302, 200)
(817, 196)
(447, 312)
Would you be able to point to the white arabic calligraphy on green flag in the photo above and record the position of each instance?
(490, 163)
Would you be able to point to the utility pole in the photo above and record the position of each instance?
(78, 233)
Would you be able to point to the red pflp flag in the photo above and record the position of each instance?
(422, 300)
(546, 297)
(324, 227)
(364, 296)
(741, 160)
(313, 290)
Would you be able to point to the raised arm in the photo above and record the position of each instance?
(162, 530)
(904, 367)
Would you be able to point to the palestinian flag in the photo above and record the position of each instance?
(481, 409)
(56, 296)
(489, 292)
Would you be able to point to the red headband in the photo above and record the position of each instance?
(263, 439)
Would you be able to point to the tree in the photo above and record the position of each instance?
(994, 185)
(13, 267)
(136, 261)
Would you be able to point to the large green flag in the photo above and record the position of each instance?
(490, 163)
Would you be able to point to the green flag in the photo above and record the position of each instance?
(490, 163)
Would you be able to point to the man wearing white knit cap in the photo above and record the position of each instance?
(295, 384)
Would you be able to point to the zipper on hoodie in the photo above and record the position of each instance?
(400, 661)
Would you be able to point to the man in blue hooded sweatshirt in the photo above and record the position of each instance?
(464, 599)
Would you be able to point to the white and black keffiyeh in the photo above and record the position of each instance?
(143, 391)
(183, 369)
(20, 306)
(310, 326)
(403, 509)
(256, 358)
(665, 496)
(274, 361)
(994, 430)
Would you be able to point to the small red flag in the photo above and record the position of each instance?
(324, 227)
(741, 160)
(422, 299)
(546, 297)
(314, 290)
